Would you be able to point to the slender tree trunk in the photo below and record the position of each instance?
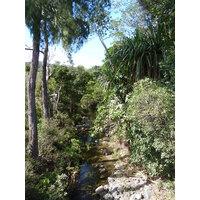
(58, 97)
(33, 137)
(44, 74)
(49, 74)
(104, 45)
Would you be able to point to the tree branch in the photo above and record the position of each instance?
(32, 50)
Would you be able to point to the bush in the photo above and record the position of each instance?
(48, 177)
(151, 124)
(33, 174)
(59, 146)
(110, 117)
(63, 120)
(58, 189)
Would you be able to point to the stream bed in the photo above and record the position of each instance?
(97, 165)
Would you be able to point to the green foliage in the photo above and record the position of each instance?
(163, 11)
(167, 67)
(33, 170)
(58, 189)
(109, 119)
(49, 177)
(26, 102)
(73, 82)
(63, 120)
(124, 105)
(133, 59)
(68, 22)
(38, 97)
(148, 51)
(131, 16)
(27, 67)
(58, 144)
(60, 153)
(151, 121)
(94, 94)
(147, 120)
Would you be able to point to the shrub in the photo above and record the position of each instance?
(59, 146)
(33, 174)
(48, 177)
(109, 117)
(58, 190)
(63, 120)
(151, 127)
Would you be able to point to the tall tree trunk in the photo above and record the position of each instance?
(44, 74)
(104, 45)
(33, 137)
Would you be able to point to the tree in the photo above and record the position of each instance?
(44, 82)
(33, 16)
(130, 15)
(65, 22)
(67, 85)
(148, 51)
(162, 13)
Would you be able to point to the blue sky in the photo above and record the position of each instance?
(92, 53)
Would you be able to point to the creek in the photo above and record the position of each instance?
(96, 166)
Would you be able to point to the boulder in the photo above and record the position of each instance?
(110, 180)
(101, 166)
(126, 196)
(102, 170)
(115, 195)
(147, 191)
(138, 196)
(120, 188)
(99, 190)
(106, 187)
(117, 166)
(108, 196)
(102, 176)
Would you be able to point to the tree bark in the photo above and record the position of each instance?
(30, 49)
(104, 45)
(44, 74)
(33, 137)
(58, 97)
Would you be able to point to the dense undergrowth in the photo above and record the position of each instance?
(50, 176)
(147, 121)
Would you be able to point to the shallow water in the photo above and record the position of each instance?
(89, 176)
(85, 187)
